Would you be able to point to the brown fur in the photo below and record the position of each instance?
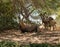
(27, 28)
(48, 22)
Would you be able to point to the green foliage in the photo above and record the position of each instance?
(6, 16)
(6, 9)
(41, 45)
(7, 23)
(8, 44)
(47, 5)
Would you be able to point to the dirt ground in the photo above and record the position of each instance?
(39, 37)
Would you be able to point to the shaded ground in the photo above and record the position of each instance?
(39, 37)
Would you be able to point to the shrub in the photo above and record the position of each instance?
(8, 44)
(7, 23)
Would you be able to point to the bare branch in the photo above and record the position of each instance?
(31, 12)
(29, 6)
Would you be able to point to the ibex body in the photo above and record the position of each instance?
(27, 28)
(48, 21)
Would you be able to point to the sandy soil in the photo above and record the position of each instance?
(39, 37)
